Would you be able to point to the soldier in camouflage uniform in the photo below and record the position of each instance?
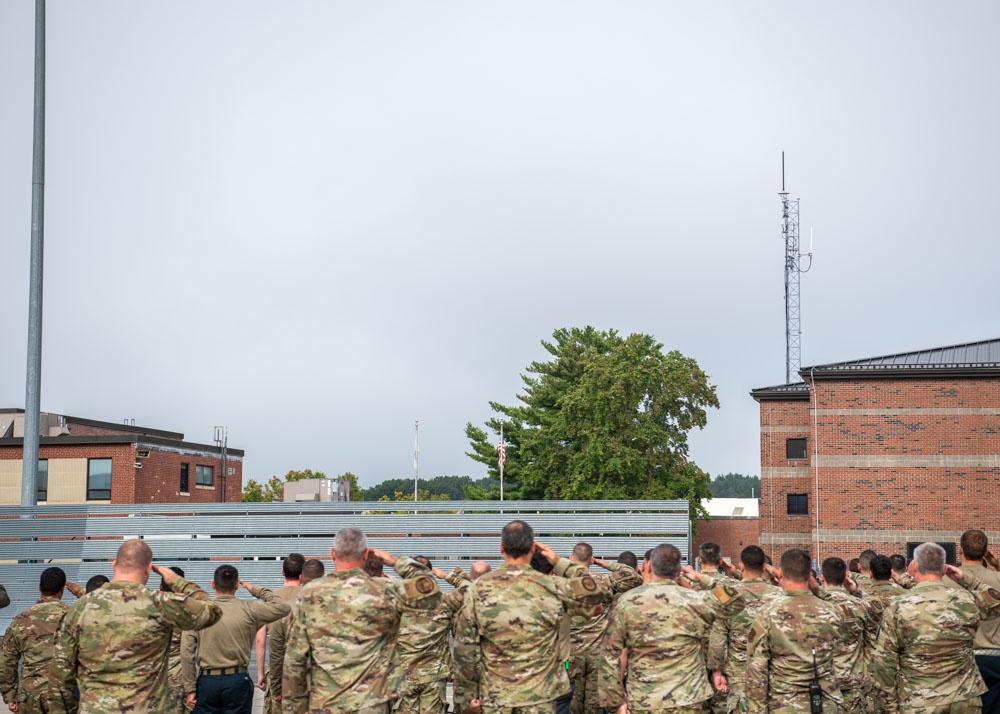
(877, 598)
(791, 642)
(278, 635)
(465, 678)
(291, 573)
(848, 658)
(974, 550)
(174, 679)
(727, 648)
(116, 639)
(923, 659)
(31, 637)
(511, 622)
(340, 654)
(713, 565)
(586, 632)
(864, 579)
(662, 628)
(423, 644)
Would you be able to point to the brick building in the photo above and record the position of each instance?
(884, 452)
(734, 524)
(87, 461)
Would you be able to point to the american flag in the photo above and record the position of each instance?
(502, 455)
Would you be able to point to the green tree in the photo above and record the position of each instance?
(606, 417)
(735, 486)
(357, 493)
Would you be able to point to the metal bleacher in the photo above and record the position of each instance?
(83, 540)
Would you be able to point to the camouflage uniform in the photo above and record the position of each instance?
(423, 646)
(864, 581)
(277, 634)
(340, 654)
(719, 702)
(848, 658)
(727, 642)
(923, 658)
(465, 678)
(115, 641)
(780, 654)
(175, 682)
(30, 637)
(511, 622)
(663, 626)
(587, 632)
(875, 600)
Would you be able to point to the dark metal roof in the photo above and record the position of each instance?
(971, 358)
(796, 390)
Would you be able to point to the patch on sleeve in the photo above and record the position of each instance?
(419, 587)
(994, 593)
(725, 593)
(590, 585)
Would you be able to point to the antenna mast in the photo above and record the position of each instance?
(793, 272)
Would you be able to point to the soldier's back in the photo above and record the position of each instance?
(31, 637)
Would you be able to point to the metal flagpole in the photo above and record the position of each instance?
(33, 386)
(501, 459)
(416, 457)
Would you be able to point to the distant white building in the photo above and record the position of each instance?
(316, 489)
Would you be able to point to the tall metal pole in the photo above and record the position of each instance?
(33, 387)
(416, 457)
(793, 270)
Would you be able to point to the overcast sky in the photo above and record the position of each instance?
(315, 222)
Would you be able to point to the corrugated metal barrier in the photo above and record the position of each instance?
(83, 540)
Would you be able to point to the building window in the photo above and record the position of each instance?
(203, 475)
(798, 504)
(42, 482)
(98, 479)
(184, 478)
(795, 449)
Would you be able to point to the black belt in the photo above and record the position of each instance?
(224, 670)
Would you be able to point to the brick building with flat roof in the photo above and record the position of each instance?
(883, 453)
(86, 461)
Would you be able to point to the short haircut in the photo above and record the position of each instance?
(796, 565)
(974, 544)
(583, 552)
(226, 579)
(350, 544)
(666, 561)
(163, 583)
(313, 569)
(96, 582)
(710, 553)
(540, 563)
(853, 566)
(881, 568)
(628, 558)
(479, 569)
(291, 567)
(52, 581)
(930, 559)
(423, 560)
(865, 559)
(134, 555)
(834, 571)
(753, 558)
(648, 554)
(898, 562)
(373, 567)
(517, 539)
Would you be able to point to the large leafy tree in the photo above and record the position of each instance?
(607, 417)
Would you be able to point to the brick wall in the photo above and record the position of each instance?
(889, 461)
(156, 482)
(732, 535)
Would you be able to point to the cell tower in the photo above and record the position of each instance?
(793, 273)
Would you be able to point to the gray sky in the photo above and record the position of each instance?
(315, 222)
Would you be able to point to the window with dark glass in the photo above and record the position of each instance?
(184, 478)
(98, 479)
(203, 475)
(42, 480)
(798, 504)
(795, 449)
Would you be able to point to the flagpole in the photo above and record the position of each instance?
(416, 457)
(503, 460)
